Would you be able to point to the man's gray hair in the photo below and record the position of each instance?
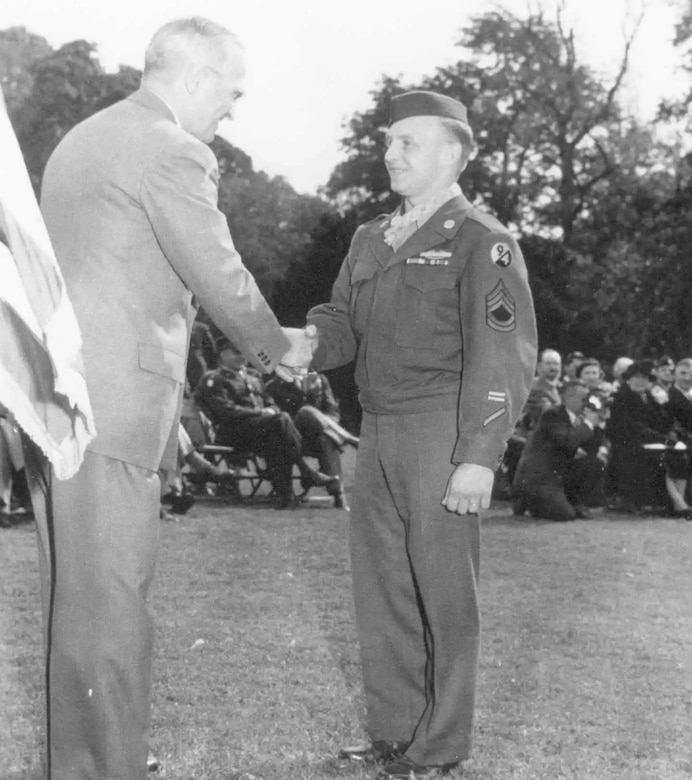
(182, 40)
(462, 133)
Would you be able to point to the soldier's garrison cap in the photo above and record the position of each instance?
(424, 103)
(223, 342)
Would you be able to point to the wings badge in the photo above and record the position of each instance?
(500, 309)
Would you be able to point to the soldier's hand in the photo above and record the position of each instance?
(469, 489)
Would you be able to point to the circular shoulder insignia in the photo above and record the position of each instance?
(501, 254)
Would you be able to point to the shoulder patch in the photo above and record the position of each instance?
(501, 254)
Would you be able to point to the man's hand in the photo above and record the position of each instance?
(468, 490)
(296, 361)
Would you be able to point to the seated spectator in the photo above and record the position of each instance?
(664, 369)
(15, 501)
(636, 420)
(556, 477)
(619, 367)
(679, 406)
(590, 373)
(173, 491)
(572, 363)
(202, 355)
(545, 391)
(233, 398)
(315, 412)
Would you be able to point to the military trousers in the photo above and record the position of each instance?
(415, 576)
(98, 536)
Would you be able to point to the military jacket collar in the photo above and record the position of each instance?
(442, 226)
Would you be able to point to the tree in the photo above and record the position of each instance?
(67, 86)
(543, 123)
(19, 50)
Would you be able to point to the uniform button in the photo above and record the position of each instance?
(448, 224)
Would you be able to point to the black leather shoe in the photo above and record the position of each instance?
(153, 764)
(318, 479)
(340, 502)
(404, 768)
(377, 752)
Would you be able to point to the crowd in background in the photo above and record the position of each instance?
(593, 437)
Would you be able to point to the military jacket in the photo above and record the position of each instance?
(228, 395)
(445, 321)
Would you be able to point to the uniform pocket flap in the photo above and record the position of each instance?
(162, 361)
(363, 271)
(429, 277)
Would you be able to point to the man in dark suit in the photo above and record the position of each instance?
(415, 286)
(545, 390)
(130, 201)
(556, 477)
(680, 399)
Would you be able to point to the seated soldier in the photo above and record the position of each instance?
(315, 412)
(233, 398)
(556, 478)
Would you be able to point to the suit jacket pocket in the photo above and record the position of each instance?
(161, 361)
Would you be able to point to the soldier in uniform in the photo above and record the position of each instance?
(234, 398)
(315, 411)
(433, 304)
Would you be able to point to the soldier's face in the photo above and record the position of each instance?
(420, 158)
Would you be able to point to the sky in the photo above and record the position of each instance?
(311, 64)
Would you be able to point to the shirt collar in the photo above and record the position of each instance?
(167, 104)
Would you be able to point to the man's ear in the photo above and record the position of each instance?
(193, 76)
(452, 154)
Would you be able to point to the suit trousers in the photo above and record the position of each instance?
(98, 536)
(415, 573)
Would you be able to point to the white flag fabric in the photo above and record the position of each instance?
(42, 381)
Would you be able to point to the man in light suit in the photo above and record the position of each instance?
(130, 200)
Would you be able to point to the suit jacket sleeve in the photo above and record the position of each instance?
(179, 194)
(499, 349)
(565, 437)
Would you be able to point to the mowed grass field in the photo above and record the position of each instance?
(586, 668)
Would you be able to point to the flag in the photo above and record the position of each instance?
(42, 381)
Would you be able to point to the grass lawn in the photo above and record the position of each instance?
(586, 667)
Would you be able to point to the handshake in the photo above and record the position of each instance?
(296, 362)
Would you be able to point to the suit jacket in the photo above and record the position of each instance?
(550, 451)
(634, 421)
(679, 407)
(130, 201)
(445, 321)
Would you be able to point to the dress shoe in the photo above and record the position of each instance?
(181, 503)
(317, 479)
(404, 768)
(377, 752)
(340, 502)
(519, 507)
(686, 514)
(153, 764)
